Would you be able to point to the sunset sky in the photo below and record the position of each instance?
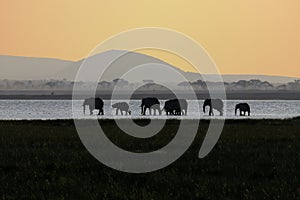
(243, 37)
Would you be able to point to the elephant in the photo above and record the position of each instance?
(150, 103)
(176, 107)
(122, 106)
(243, 107)
(213, 104)
(94, 104)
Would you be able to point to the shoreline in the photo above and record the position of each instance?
(230, 120)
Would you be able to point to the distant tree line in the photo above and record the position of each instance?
(253, 84)
(146, 85)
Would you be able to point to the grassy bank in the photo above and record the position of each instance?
(254, 159)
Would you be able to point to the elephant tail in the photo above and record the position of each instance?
(83, 109)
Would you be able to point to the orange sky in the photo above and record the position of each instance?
(243, 37)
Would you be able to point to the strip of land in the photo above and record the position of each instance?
(253, 159)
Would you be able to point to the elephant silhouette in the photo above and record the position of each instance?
(150, 103)
(94, 104)
(216, 104)
(176, 107)
(122, 106)
(243, 107)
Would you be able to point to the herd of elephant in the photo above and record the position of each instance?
(171, 107)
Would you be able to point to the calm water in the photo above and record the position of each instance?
(62, 109)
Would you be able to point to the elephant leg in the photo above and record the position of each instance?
(149, 111)
(121, 112)
(91, 110)
(211, 112)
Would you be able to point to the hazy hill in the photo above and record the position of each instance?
(29, 68)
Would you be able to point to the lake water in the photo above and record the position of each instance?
(62, 109)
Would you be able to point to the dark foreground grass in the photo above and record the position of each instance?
(254, 159)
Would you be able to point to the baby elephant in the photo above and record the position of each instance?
(243, 107)
(122, 106)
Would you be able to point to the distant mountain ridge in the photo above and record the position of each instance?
(31, 68)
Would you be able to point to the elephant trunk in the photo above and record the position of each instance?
(236, 108)
(160, 110)
(204, 108)
(163, 109)
(142, 108)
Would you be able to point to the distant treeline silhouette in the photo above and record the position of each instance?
(147, 85)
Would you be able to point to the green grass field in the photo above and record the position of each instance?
(254, 159)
